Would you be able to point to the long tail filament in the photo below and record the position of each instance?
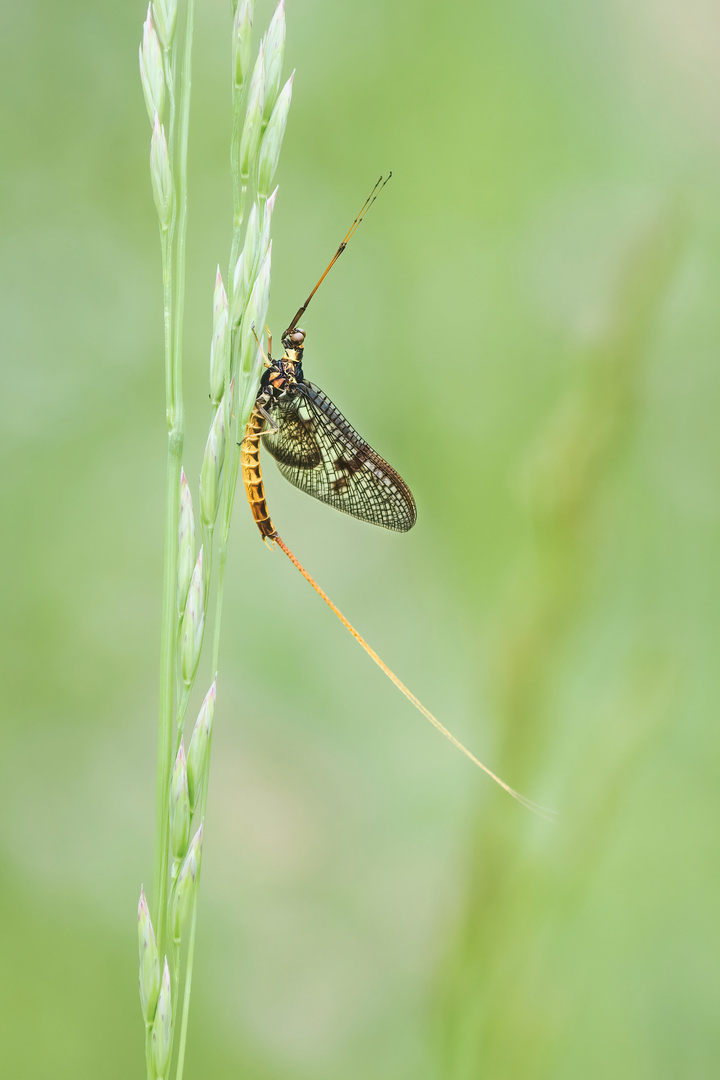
(541, 810)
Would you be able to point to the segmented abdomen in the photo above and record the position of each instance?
(252, 474)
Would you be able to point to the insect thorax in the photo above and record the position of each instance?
(283, 375)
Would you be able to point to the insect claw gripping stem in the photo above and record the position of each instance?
(542, 811)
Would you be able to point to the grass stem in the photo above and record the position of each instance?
(168, 632)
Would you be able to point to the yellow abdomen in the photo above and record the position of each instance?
(252, 474)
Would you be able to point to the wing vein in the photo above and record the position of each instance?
(320, 453)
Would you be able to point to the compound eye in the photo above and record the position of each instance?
(298, 337)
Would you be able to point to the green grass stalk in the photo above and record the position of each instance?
(182, 1041)
(168, 630)
(176, 442)
(173, 304)
(182, 632)
(229, 486)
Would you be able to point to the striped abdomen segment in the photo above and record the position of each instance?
(252, 474)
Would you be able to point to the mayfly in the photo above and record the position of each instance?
(318, 451)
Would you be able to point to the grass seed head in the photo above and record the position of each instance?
(152, 75)
(220, 341)
(252, 128)
(149, 961)
(244, 267)
(241, 43)
(254, 318)
(267, 213)
(185, 886)
(251, 356)
(274, 53)
(186, 543)
(161, 1041)
(212, 467)
(179, 806)
(272, 140)
(160, 174)
(198, 751)
(165, 12)
(193, 623)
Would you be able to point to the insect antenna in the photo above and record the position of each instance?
(350, 233)
(542, 811)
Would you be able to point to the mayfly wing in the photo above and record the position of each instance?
(318, 451)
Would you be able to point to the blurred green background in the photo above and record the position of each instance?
(527, 327)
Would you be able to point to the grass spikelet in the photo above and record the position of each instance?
(182, 787)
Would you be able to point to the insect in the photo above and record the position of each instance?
(318, 451)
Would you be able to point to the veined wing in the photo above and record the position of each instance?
(318, 451)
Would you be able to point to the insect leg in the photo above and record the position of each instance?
(273, 427)
(264, 413)
(267, 362)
